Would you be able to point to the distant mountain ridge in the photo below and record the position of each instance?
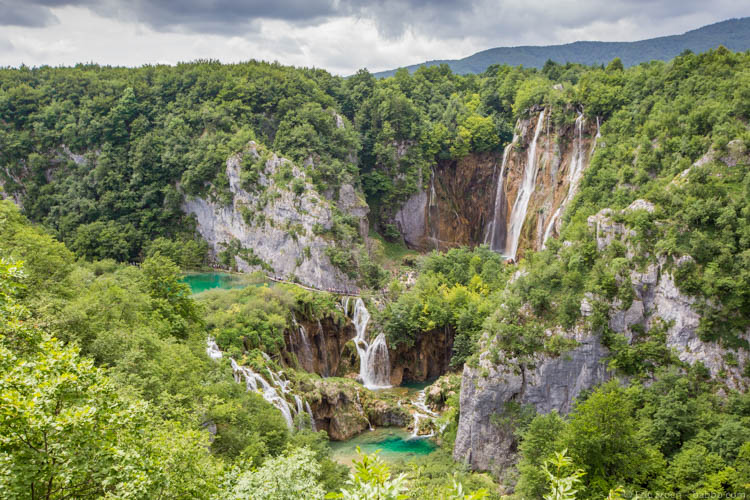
(734, 34)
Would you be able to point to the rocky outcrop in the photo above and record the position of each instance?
(319, 346)
(658, 302)
(343, 408)
(428, 358)
(273, 225)
(549, 383)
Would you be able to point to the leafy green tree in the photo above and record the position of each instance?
(287, 477)
(371, 480)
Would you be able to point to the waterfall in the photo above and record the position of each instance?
(575, 173)
(274, 392)
(312, 418)
(374, 361)
(212, 349)
(304, 353)
(495, 235)
(518, 215)
(422, 412)
(433, 213)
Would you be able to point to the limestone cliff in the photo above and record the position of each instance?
(273, 226)
(550, 383)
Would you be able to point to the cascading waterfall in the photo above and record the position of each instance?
(374, 360)
(256, 383)
(422, 412)
(312, 419)
(575, 173)
(518, 214)
(495, 236)
(433, 213)
(212, 349)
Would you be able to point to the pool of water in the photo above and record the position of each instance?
(200, 282)
(394, 445)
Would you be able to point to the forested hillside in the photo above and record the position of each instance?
(604, 346)
(733, 34)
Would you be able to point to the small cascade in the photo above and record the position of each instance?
(518, 214)
(212, 349)
(304, 352)
(312, 418)
(374, 360)
(575, 173)
(434, 215)
(274, 392)
(495, 234)
(422, 412)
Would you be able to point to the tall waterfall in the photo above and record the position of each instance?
(433, 213)
(374, 361)
(275, 392)
(518, 215)
(495, 236)
(575, 173)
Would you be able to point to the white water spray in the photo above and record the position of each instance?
(273, 393)
(518, 215)
(421, 413)
(575, 173)
(374, 361)
(495, 235)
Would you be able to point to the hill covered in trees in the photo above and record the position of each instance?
(733, 34)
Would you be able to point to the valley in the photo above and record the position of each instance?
(213, 274)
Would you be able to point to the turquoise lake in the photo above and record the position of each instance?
(200, 282)
(394, 444)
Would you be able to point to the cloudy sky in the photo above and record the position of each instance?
(339, 35)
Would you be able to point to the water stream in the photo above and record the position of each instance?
(274, 392)
(575, 173)
(496, 230)
(374, 361)
(521, 205)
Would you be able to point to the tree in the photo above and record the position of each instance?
(562, 483)
(66, 431)
(371, 480)
(287, 477)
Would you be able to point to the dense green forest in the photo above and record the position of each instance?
(105, 386)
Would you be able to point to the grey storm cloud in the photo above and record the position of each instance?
(538, 20)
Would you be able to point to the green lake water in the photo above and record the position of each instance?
(394, 445)
(200, 282)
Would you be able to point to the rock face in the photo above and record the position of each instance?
(657, 301)
(428, 358)
(275, 224)
(326, 348)
(343, 408)
(462, 204)
(552, 384)
(319, 346)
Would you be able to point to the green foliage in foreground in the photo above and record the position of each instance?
(673, 437)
